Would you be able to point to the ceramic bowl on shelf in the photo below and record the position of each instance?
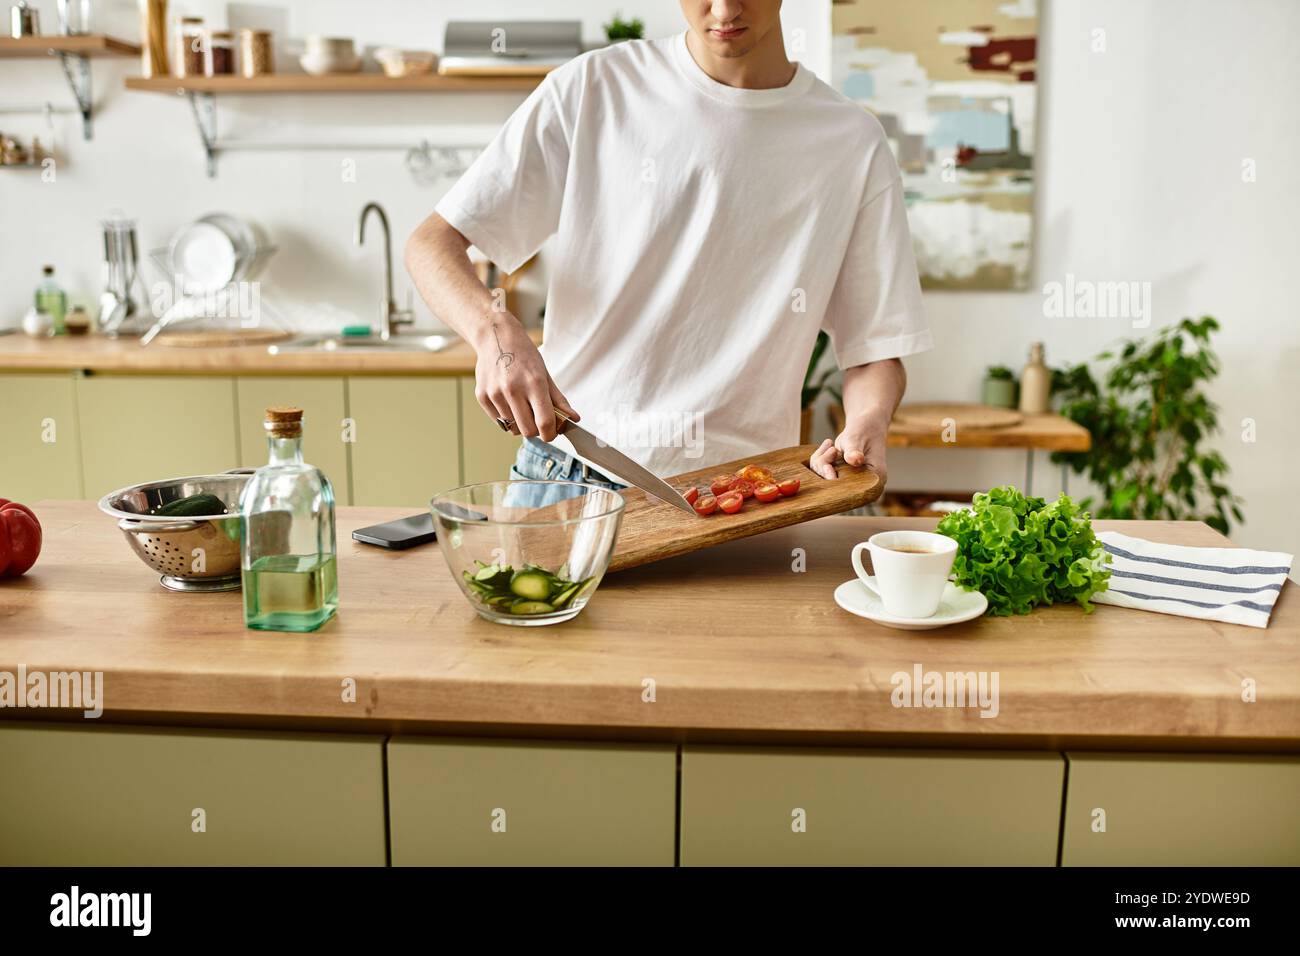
(324, 55)
(399, 63)
(518, 562)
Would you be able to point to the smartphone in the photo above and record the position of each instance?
(399, 534)
(411, 531)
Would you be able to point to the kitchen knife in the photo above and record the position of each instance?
(610, 458)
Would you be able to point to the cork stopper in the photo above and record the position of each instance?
(283, 421)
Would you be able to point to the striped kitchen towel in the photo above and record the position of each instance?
(1236, 585)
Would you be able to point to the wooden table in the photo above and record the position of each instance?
(1047, 432)
(740, 645)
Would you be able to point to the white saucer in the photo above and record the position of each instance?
(955, 606)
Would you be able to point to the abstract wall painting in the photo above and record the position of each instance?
(953, 84)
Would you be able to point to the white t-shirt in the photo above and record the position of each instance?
(703, 235)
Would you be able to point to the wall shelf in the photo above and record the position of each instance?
(332, 83)
(202, 91)
(75, 54)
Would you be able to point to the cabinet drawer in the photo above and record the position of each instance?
(407, 443)
(38, 432)
(487, 451)
(743, 807)
(138, 428)
(1165, 810)
(321, 400)
(118, 796)
(509, 803)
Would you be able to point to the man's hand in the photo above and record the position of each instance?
(511, 380)
(861, 443)
(871, 393)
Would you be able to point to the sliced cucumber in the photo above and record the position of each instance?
(530, 607)
(531, 585)
(562, 599)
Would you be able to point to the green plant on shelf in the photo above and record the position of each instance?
(1150, 418)
(620, 29)
(1000, 373)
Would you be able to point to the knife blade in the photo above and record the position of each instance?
(606, 456)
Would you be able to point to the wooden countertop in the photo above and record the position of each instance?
(1046, 432)
(740, 647)
(20, 352)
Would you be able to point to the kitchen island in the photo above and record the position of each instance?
(712, 708)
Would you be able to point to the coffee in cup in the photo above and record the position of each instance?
(911, 570)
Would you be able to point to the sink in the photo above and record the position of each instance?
(407, 342)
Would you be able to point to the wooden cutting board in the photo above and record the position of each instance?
(935, 416)
(653, 530)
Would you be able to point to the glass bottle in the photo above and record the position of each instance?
(290, 574)
(52, 300)
(1036, 383)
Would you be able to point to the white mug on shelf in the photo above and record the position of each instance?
(911, 570)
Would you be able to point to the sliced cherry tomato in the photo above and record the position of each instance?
(744, 486)
(731, 502)
(690, 494)
(721, 483)
(705, 505)
(789, 487)
(757, 474)
(767, 492)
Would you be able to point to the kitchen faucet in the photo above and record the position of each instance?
(390, 317)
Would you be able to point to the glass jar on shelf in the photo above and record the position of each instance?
(255, 53)
(191, 47)
(221, 53)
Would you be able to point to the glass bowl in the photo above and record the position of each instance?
(527, 552)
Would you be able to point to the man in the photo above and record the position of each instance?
(714, 205)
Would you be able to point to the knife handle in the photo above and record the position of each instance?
(561, 420)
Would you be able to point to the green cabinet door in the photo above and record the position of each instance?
(102, 795)
(325, 432)
(137, 428)
(40, 454)
(487, 802)
(824, 807)
(488, 452)
(1181, 810)
(406, 441)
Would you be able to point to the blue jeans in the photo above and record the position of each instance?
(540, 461)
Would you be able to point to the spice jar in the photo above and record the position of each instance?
(221, 53)
(191, 58)
(255, 52)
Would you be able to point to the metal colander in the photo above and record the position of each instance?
(192, 554)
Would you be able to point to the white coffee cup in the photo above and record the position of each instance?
(908, 582)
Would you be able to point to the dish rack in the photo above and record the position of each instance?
(224, 303)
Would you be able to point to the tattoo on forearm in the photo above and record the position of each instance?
(504, 359)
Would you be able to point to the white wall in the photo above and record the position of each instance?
(1139, 178)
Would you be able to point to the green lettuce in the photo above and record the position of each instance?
(1021, 552)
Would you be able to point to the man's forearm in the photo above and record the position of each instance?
(438, 262)
(872, 392)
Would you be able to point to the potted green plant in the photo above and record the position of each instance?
(619, 29)
(999, 387)
(1149, 418)
(813, 383)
